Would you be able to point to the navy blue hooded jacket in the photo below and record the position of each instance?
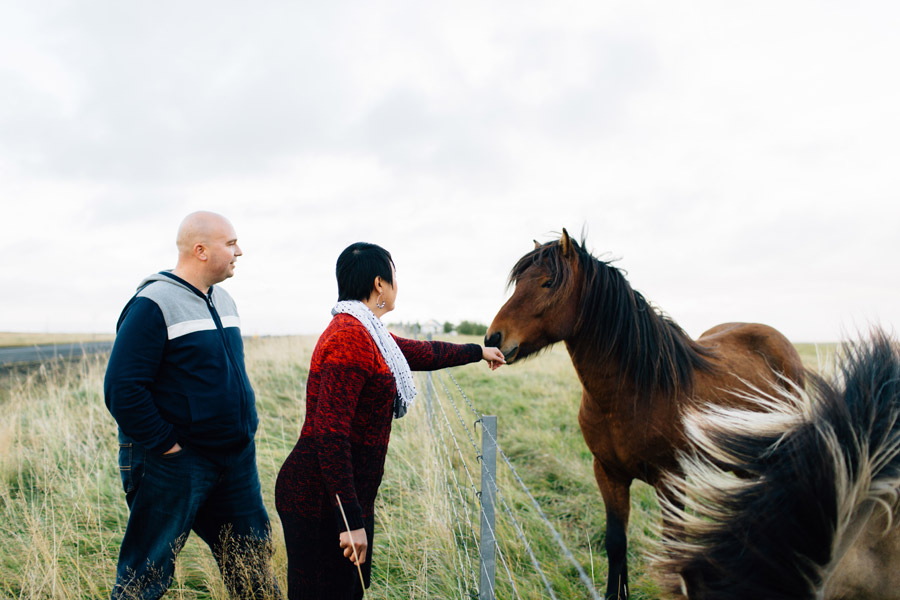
(176, 372)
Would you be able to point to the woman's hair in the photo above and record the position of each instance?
(358, 266)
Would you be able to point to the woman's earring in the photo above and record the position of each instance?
(379, 304)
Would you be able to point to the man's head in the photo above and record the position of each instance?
(207, 249)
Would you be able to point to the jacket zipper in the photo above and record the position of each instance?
(231, 359)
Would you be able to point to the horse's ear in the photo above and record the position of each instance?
(537, 244)
(565, 243)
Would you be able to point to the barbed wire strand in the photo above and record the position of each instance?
(458, 449)
(459, 415)
(459, 525)
(490, 527)
(463, 394)
(467, 511)
(568, 554)
(466, 468)
(512, 583)
(516, 525)
(455, 526)
(452, 516)
(437, 457)
(521, 533)
(581, 573)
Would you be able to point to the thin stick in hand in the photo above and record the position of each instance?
(352, 545)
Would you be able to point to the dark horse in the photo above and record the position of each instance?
(818, 515)
(638, 368)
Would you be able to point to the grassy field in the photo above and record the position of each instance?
(818, 357)
(8, 338)
(62, 511)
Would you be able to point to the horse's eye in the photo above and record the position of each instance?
(547, 284)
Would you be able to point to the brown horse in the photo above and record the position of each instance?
(638, 368)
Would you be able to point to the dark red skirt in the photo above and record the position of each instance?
(317, 568)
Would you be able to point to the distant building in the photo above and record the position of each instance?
(433, 327)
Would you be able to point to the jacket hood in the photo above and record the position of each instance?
(165, 276)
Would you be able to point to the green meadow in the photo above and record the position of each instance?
(62, 510)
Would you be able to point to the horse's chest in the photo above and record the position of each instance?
(626, 440)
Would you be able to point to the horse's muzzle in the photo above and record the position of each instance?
(493, 340)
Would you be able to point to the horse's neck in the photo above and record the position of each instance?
(602, 379)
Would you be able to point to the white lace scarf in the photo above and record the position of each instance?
(406, 388)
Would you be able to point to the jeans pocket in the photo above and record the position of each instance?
(131, 465)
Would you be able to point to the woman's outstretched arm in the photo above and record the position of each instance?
(430, 356)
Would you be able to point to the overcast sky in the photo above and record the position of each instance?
(739, 159)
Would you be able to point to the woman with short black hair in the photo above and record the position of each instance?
(358, 265)
(359, 381)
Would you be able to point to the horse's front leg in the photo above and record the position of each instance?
(617, 498)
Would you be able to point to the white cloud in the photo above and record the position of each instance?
(741, 160)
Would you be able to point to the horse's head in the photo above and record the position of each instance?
(543, 309)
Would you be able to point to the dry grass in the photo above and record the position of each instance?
(818, 357)
(8, 338)
(62, 511)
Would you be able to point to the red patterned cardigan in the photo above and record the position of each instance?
(349, 400)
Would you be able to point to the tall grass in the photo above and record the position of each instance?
(62, 510)
(12, 338)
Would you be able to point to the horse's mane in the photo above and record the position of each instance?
(652, 350)
(813, 462)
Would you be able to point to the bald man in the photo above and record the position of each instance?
(178, 388)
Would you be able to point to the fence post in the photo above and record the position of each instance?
(488, 496)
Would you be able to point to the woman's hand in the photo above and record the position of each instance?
(494, 357)
(358, 537)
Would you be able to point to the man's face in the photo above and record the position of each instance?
(222, 251)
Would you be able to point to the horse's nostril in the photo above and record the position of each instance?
(493, 340)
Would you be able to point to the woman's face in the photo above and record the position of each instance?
(389, 292)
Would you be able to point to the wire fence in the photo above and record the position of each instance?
(492, 555)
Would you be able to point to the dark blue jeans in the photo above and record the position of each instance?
(170, 495)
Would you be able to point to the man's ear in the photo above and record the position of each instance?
(200, 252)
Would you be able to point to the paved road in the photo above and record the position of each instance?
(35, 354)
